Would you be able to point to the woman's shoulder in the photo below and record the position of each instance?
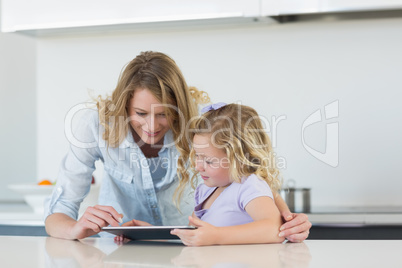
(82, 114)
(82, 124)
(88, 113)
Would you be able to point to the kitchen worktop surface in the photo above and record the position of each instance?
(19, 213)
(26, 251)
(22, 214)
(380, 215)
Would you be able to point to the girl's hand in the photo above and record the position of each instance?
(94, 219)
(296, 228)
(120, 238)
(204, 235)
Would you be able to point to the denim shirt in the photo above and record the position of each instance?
(127, 183)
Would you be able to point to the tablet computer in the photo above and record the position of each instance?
(146, 232)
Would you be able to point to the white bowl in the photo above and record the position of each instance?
(34, 195)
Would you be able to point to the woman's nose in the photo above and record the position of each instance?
(152, 123)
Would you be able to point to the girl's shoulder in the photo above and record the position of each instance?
(252, 187)
(255, 181)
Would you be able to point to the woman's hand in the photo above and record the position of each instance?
(296, 228)
(134, 222)
(204, 235)
(94, 219)
(121, 239)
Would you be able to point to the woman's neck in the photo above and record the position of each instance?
(149, 150)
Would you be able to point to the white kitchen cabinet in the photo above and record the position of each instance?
(294, 7)
(26, 15)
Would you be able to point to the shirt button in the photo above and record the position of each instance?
(153, 206)
(59, 189)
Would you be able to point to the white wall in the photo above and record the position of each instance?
(18, 112)
(282, 70)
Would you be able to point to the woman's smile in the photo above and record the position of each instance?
(151, 134)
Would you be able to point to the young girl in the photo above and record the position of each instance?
(234, 157)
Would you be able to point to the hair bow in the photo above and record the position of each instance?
(214, 106)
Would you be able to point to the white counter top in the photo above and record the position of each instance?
(103, 252)
(22, 214)
(355, 219)
(356, 216)
(19, 214)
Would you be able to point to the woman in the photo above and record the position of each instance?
(138, 134)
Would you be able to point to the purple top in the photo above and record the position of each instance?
(229, 208)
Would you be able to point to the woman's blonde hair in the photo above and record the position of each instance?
(159, 74)
(238, 130)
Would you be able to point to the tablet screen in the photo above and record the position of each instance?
(146, 232)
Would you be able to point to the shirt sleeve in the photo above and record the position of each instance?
(198, 194)
(251, 188)
(75, 172)
(201, 192)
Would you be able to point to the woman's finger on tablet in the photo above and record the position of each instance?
(135, 222)
(140, 223)
(94, 222)
(104, 215)
(85, 224)
(109, 209)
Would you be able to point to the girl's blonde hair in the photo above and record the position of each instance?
(159, 74)
(238, 130)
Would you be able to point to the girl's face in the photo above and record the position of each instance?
(212, 163)
(147, 116)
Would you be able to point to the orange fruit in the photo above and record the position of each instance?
(45, 182)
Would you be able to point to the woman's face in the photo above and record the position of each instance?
(147, 116)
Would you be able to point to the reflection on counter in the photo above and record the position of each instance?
(275, 255)
(72, 253)
(24, 251)
(65, 253)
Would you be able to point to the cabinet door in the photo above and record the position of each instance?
(19, 15)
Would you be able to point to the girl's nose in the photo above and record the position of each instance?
(199, 165)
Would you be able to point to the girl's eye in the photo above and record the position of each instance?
(161, 115)
(140, 114)
(209, 162)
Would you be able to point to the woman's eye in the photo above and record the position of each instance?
(140, 114)
(162, 115)
(209, 162)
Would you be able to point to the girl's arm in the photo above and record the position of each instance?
(297, 226)
(282, 206)
(264, 228)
